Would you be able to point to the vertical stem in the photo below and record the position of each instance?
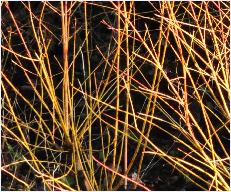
(127, 95)
(88, 91)
(65, 37)
(117, 97)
